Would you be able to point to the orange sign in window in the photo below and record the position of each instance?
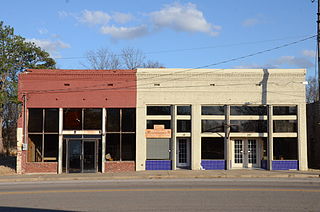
(158, 131)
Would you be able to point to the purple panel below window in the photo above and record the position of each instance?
(158, 165)
(285, 164)
(213, 164)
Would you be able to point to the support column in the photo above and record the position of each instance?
(60, 141)
(227, 145)
(270, 137)
(173, 137)
(103, 140)
(196, 137)
(302, 137)
(141, 142)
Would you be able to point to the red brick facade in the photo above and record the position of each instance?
(73, 89)
(120, 166)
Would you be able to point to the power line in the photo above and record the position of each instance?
(195, 48)
(175, 73)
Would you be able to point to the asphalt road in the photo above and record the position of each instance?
(163, 195)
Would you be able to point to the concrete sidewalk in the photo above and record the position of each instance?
(178, 174)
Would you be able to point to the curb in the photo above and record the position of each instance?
(153, 177)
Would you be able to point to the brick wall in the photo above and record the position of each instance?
(119, 166)
(37, 167)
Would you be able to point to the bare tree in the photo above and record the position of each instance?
(103, 59)
(152, 64)
(132, 58)
(312, 90)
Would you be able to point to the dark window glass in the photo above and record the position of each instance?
(212, 110)
(51, 146)
(248, 126)
(285, 126)
(113, 147)
(284, 110)
(184, 126)
(35, 148)
(158, 110)
(151, 123)
(35, 120)
(212, 148)
(92, 119)
(212, 126)
(285, 149)
(113, 120)
(128, 147)
(128, 123)
(51, 120)
(248, 110)
(184, 110)
(72, 119)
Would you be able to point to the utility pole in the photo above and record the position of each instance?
(318, 47)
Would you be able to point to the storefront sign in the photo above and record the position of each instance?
(158, 131)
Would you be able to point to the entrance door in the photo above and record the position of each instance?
(81, 156)
(245, 153)
(183, 152)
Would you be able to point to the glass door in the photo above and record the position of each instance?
(74, 151)
(89, 156)
(81, 156)
(245, 153)
(183, 152)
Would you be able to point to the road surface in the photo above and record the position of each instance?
(163, 195)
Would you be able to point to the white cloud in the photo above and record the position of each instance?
(183, 18)
(309, 53)
(125, 32)
(52, 47)
(299, 62)
(122, 18)
(94, 17)
(250, 22)
(63, 14)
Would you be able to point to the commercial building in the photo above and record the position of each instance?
(161, 119)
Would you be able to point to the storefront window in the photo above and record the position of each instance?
(212, 110)
(121, 139)
(158, 110)
(248, 126)
(183, 125)
(285, 149)
(285, 126)
(284, 110)
(212, 148)
(43, 141)
(212, 126)
(72, 119)
(184, 110)
(92, 119)
(248, 110)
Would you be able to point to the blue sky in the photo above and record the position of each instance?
(178, 34)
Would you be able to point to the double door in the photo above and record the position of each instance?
(81, 155)
(245, 153)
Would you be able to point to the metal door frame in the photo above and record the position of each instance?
(82, 140)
